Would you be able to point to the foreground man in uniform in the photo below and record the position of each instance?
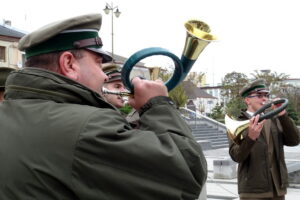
(60, 140)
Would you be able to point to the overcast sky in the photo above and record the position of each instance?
(252, 34)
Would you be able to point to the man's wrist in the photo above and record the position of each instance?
(159, 100)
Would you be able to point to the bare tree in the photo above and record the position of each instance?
(232, 83)
(195, 77)
(273, 80)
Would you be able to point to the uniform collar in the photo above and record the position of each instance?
(35, 83)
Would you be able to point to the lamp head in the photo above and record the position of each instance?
(106, 10)
(117, 13)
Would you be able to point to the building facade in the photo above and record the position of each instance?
(10, 56)
(198, 99)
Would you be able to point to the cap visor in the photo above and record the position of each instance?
(262, 91)
(114, 79)
(104, 54)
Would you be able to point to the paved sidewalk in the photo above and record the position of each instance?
(227, 188)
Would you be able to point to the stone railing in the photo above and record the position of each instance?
(194, 117)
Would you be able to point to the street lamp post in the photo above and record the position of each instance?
(107, 9)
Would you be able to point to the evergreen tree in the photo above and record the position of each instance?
(178, 94)
(218, 113)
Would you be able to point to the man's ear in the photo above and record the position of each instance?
(246, 101)
(69, 65)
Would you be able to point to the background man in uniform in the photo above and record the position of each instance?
(114, 83)
(4, 71)
(262, 172)
(71, 144)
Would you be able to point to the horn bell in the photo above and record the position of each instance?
(235, 128)
(198, 37)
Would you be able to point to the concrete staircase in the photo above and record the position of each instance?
(209, 136)
(209, 133)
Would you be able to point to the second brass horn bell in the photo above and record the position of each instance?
(197, 39)
(235, 128)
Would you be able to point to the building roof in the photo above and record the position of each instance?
(293, 81)
(211, 87)
(194, 92)
(121, 60)
(10, 32)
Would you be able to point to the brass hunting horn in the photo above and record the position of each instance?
(235, 128)
(197, 39)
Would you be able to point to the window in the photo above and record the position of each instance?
(2, 54)
(23, 60)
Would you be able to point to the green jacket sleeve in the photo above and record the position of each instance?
(291, 135)
(240, 152)
(161, 160)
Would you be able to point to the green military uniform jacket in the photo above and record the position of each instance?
(262, 170)
(60, 140)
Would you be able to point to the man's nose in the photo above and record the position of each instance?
(105, 77)
(123, 89)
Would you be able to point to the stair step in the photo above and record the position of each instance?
(208, 134)
(210, 137)
(220, 142)
(219, 146)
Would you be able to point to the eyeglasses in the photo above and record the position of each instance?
(260, 96)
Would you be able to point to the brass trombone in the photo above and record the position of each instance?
(235, 128)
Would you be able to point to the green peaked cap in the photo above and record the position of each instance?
(79, 32)
(255, 86)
